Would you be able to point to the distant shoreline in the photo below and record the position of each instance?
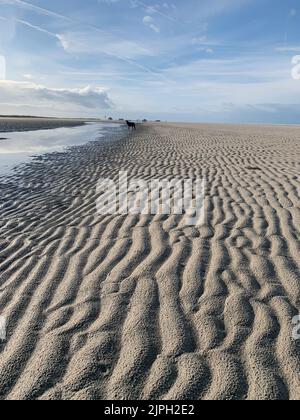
(19, 123)
(12, 124)
(9, 124)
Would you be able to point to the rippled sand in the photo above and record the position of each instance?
(141, 307)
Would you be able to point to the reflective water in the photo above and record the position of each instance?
(19, 147)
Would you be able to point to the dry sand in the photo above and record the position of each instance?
(137, 307)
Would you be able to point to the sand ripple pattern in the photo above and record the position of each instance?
(130, 307)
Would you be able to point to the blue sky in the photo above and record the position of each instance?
(192, 60)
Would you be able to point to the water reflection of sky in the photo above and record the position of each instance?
(19, 147)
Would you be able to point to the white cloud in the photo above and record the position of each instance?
(31, 94)
(149, 21)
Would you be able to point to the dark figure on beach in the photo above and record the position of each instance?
(131, 125)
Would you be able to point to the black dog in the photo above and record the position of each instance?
(131, 125)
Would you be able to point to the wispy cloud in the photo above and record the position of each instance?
(34, 8)
(85, 42)
(131, 47)
(37, 28)
(158, 9)
(287, 48)
(148, 21)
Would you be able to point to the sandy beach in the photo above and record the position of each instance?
(141, 307)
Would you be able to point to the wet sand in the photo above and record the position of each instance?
(141, 307)
(9, 124)
(21, 146)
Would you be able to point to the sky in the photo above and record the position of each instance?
(231, 61)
